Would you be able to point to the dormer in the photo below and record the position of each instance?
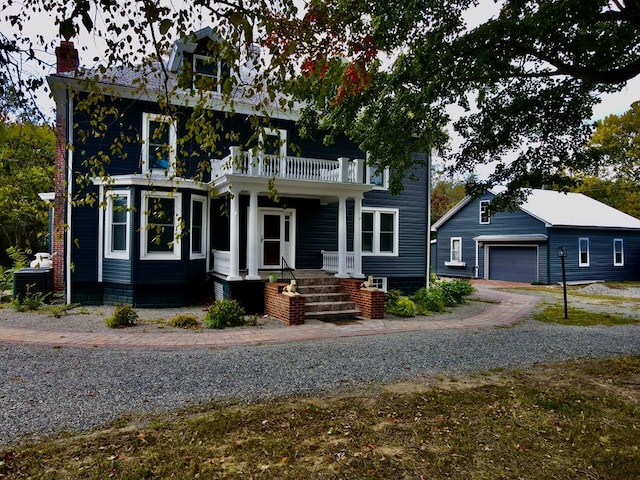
(200, 61)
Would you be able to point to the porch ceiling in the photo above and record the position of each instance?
(324, 191)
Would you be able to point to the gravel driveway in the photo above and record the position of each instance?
(49, 389)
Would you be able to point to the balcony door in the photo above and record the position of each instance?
(277, 236)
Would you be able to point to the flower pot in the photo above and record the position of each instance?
(273, 277)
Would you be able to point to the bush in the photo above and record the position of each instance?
(123, 316)
(391, 300)
(430, 300)
(29, 301)
(455, 291)
(405, 307)
(225, 313)
(184, 320)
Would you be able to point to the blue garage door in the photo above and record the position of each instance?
(513, 264)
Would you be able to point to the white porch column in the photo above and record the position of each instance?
(342, 238)
(234, 238)
(253, 244)
(357, 238)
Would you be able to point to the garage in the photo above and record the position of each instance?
(513, 264)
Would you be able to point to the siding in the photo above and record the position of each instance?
(600, 255)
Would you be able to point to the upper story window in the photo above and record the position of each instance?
(117, 224)
(160, 225)
(159, 138)
(583, 247)
(485, 216)
(207, 73)
(273, 141)
(618, 252)
(380, 231)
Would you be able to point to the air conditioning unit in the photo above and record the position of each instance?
(33, 281)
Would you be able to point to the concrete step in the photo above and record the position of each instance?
(329, 306)
(347, 314)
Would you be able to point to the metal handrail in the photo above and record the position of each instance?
(284, 267)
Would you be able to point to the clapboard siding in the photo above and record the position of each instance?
(601, 265)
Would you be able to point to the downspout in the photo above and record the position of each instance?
(68, 239)
(428, 269)
(476, 267)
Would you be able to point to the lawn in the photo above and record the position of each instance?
(575, 420)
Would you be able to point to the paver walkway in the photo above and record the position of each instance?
(509, 307)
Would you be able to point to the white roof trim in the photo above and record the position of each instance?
(455, 209)
(534, 237)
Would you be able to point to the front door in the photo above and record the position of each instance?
(277, 234)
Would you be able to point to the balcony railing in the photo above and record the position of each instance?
(240, 162)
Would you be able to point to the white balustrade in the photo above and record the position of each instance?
(238, 162)
(221, 262)
(330, 261)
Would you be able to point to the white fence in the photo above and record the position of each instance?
(330, 261)
(221, 262)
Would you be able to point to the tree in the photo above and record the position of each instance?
(619, 193)
(528, 78)
(617, 140)
(26, 169)
(444, 195)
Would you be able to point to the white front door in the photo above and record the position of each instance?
(277, 236)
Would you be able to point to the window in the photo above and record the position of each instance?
(160, 226)
(455, 257)
(485, 217)
(380, 283)
(584, 252)
(198, 226)
(159, 144)
(618, 252)
(117, 228)
(379, 179)
(380, 231)
(207, 73)
(273, 141)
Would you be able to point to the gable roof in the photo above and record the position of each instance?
(558, 209)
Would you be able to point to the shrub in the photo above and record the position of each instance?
(455, 291)
(430, 300)
(391, 300)
(225, 313)
(184, 320)
(29, 301)
(405, 307)
(123, 316)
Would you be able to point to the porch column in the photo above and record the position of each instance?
(253, 244)
(342, 238)
(234, 238)
(357, 238)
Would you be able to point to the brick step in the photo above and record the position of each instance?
(329, 306)
(347, 314)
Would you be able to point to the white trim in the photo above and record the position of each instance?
(287, 249)
(377, 211)
(174, 254)
(110, 196)
(580, 262)
(207, 61)
(69, 199)
(204, 228)
(616, 263)
(369, 173)
(146, 141)
(485, 204)
(380, 283)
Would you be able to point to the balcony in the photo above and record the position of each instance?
(245, 163)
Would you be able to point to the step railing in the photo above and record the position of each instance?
(330, 261)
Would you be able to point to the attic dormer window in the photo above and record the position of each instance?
(207, 73)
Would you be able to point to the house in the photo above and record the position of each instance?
(168, 221)
(600, 242)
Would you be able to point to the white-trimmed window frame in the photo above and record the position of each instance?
(484, 212)
(280, 133)
(370, 174)
(109, 251)
(145, 228)
(580, 251)
(217, 67)
(377, 232)
(380, 283)
(147, 118)
(453, 261)
(203, 232)
(616, 263)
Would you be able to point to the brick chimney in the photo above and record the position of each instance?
(67, 57)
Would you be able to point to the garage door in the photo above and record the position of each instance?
(513, 264)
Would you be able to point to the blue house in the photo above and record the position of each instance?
(169, 222)
(600, 242)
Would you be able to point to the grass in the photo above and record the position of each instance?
(579, 317)
(576, 420)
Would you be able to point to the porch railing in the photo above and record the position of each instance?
(330, 261)
(221, 262)
(240, 162)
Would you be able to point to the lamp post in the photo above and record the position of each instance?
(562, 253)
